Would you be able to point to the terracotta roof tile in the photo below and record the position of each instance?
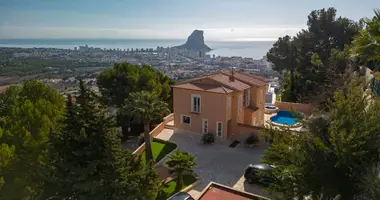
(204, 87)
(225, 80)
(248, 78)
(215, 191)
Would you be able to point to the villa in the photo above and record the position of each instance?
(229, 104)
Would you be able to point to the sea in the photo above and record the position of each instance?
(249, 49)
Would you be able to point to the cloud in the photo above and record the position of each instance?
(211, 34)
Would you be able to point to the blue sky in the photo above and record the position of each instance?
(166, 19)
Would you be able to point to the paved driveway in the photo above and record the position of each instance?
(217, 162)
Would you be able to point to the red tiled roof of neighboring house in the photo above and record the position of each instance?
(218, 78)
(216, 191)
(205, 87)
(248, 78)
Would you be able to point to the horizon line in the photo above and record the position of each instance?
(79, 38)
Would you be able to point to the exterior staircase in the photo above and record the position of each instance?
(170, 125)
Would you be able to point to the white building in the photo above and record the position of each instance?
(270, 97)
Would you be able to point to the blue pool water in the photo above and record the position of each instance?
(271, 107)
(284, 117)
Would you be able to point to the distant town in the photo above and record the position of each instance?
(177, 63)
(62, 68)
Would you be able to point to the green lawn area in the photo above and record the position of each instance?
(160, 150)
(169, 191)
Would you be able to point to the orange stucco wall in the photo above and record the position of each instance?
(213, 108)
(257, 100)
(299, 107)
(235, 116)
(246, 130)
(155, 132)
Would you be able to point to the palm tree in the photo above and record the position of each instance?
(179, 164)
(147, 107)
(366, 45)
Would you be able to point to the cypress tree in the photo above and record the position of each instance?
(87, 161)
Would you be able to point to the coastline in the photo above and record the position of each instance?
(253, 49)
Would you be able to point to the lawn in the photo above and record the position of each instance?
(160, 150)
(169, 191)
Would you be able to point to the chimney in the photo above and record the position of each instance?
(232, 78)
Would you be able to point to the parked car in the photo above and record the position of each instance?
(258, 173)
(181, 196)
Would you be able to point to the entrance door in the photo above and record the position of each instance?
(204, 125)
(219, 129)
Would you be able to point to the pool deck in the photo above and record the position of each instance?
(267, 122)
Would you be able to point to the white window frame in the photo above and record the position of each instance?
(203, 125)
(229, 102)
(247, 97)
(192, 103)
(187, 124)
(221, 131)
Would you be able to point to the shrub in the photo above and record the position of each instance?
(252, 139)
(208, 138)
(140, 140)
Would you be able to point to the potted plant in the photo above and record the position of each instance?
(208, 138)
(252, 140)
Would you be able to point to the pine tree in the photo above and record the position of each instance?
(337, 155)
(28, 114)
(87, 161)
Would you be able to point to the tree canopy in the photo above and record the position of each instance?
(311, 62)
(179, 164)
(86, 160)
(366, 45)
(146, 107)
(28, 115)
(117, 83)
(338, 155)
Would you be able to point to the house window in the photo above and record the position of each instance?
(247, 97)
(195, 103)
(186, 120)
(205, 125)
(228, 102)
(219, 129)
(240, 102)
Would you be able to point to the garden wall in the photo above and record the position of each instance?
(246, 130)
(156, 131)
(307, 109)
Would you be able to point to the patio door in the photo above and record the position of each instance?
(219, 129)
(204, 125)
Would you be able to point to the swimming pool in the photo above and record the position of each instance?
(270, 107)
(284, 117)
